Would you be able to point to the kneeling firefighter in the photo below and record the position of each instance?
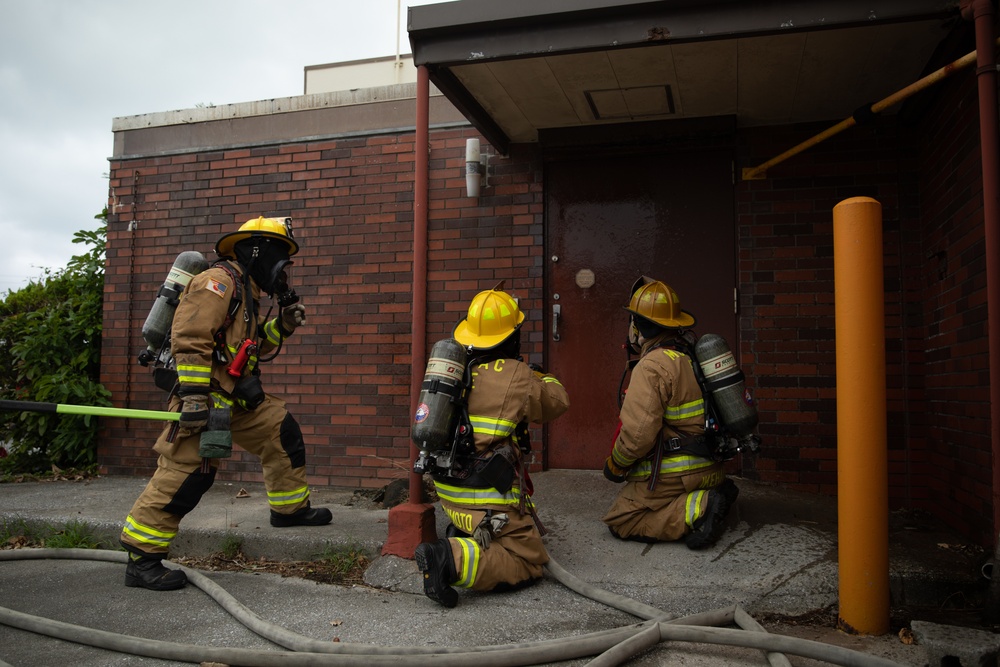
(674, 487)
(217, 334)
(494, 541)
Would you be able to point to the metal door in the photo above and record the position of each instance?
(609, 221)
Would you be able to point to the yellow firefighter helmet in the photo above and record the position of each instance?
(270, 228)
(493, 316)
(659, 303)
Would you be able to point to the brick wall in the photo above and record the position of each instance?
(951, 294)
(346, 375)
(787, 283)
(926, 174)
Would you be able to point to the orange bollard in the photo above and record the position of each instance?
(862, 454)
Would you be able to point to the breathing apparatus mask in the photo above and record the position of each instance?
(640, 330)
(268, 263)
(509, 349)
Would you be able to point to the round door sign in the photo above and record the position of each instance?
(584, 278)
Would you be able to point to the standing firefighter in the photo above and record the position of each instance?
(674, 488)
(494, 541)
(215, 340)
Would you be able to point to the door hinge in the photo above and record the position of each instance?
(736, 301)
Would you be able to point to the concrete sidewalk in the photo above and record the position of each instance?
(777, 559)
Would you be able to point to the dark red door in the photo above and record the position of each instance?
(608, 221)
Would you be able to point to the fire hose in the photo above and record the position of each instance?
(612, 647)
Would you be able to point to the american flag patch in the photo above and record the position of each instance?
(216, 287)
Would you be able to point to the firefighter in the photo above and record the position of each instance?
(673, 488)
(494, 540)
(217, 336)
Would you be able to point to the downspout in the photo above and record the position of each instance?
(983, 15)
(418, 325)
(412, 523)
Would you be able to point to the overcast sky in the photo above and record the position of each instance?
(69, 67)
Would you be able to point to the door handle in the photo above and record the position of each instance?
(556, 309)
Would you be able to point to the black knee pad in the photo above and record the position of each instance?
(190, 492)
(292, 442)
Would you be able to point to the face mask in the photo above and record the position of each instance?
(634, 338)
(285, 295)
(266, 263)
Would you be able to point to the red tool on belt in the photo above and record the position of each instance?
(242, 357)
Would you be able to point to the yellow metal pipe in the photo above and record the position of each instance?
(760, 171)
(862, 465)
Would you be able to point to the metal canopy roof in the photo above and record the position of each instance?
(518, 67)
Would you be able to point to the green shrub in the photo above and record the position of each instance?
(50, 340)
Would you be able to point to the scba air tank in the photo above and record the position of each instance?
(154, 330)
(434, 420)
(725, 382)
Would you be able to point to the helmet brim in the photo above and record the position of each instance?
(464, 335)
(224, 248)
(685, 321)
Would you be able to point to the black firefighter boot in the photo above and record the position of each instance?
(707, 530)
(307, 516)
(435, 562)
(149, 572)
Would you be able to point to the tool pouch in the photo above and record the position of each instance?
(249, 392)
(216, 440)
(496, 471)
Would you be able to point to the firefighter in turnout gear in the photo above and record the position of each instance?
(673, 488)
(494, 540)
(218, 339)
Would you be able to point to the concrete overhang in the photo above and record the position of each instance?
(518, 68)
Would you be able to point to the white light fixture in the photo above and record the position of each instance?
(475, 168)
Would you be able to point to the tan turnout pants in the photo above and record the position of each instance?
(667, 512)
(179, 482)
(514, 557)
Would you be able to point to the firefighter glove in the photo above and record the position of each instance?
(194, 412)
(613, 473)
(489, 527)
(292, 316)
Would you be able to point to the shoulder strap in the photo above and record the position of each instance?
(237, 300)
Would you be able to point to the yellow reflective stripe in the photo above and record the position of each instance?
(685, 410)
(692, 507)
(501, 428)
(472, 497)
(620, 460)
(683, 464)
(147, 535)
(189, 374)
(271, 332)
(470, 562)
(221, 401)
(280, 498)
(672, 465)
(549, 378)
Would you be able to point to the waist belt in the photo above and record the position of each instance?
(697, 445)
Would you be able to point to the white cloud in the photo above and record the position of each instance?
(69, 67)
